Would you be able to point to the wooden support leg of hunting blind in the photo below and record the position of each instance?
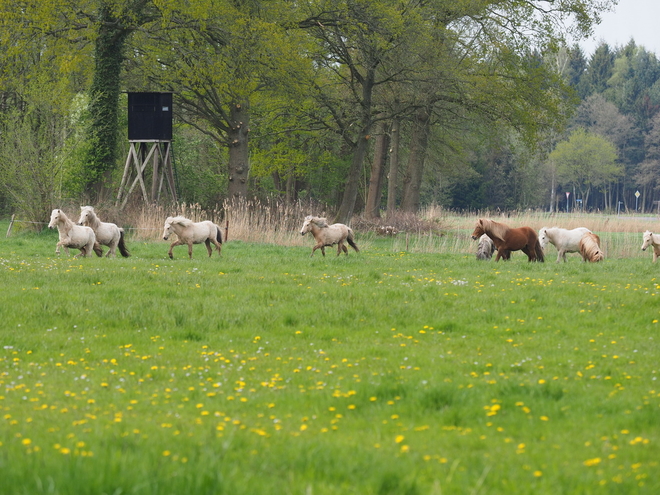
(137, 162)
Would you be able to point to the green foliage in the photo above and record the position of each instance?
(586, 160)
(258, 371)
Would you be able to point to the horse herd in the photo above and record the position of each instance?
(493, 235)
(90, 233)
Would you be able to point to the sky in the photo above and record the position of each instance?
(636, 19)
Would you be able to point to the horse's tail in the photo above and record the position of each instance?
(122, 245)
(539, 251)
(350, 240)
(218, 234)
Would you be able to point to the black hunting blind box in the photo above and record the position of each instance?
(149, 116)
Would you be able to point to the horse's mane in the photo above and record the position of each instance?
(181, 220)
(494, 229)
(590, 247)
(319, 221)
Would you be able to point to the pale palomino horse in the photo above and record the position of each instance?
(328, 235)
(106, 233)
(651, 239)
(189, 232)
(590, 248)
(566, 241)
(72, 235)
(486, 248)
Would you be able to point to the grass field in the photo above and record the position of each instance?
(390, 371)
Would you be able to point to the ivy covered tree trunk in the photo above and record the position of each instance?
(104, 92)
(239, 164)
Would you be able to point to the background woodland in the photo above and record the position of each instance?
(366, 107)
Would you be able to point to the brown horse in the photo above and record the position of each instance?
(507, 239)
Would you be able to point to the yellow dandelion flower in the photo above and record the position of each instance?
(399, 438)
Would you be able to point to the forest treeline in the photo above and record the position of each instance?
(366, 106)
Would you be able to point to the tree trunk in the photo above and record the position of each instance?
(394, 169)
(103, 108)
(239, 165)
(418, 145)
(360, 152)
(375, 192)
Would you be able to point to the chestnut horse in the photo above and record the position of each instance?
(507, 239)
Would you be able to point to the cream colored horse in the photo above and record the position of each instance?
(566, 241)
(328, 235)
(107, 233)
(651, 239)
(590, 248)
(189, 232)
(72, 235)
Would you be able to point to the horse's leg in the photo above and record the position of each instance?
(208, 246)
(175, 243)
(112, 249)
(561, 254)
(190, 245)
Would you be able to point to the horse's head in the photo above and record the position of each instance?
(478, 230)
(55, 216)
(167, 231)
(85, 215)
(543, 237)
(307, 225)
(648, 240)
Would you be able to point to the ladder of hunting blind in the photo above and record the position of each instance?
(141, 154)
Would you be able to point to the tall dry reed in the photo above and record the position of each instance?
(434, 229)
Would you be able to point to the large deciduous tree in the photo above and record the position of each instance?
(585, 161)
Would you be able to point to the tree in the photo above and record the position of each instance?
(585, 161)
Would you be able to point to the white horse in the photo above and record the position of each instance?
(566, 241)
(328, 235)
(107, 234)
(191, 233)
(651, 239)
(486, 248)
(72, 235)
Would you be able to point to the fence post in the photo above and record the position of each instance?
(11, 224)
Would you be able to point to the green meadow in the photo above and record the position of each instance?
(265, 371)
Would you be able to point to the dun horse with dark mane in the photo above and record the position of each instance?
(507, 239)
(328, 235)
